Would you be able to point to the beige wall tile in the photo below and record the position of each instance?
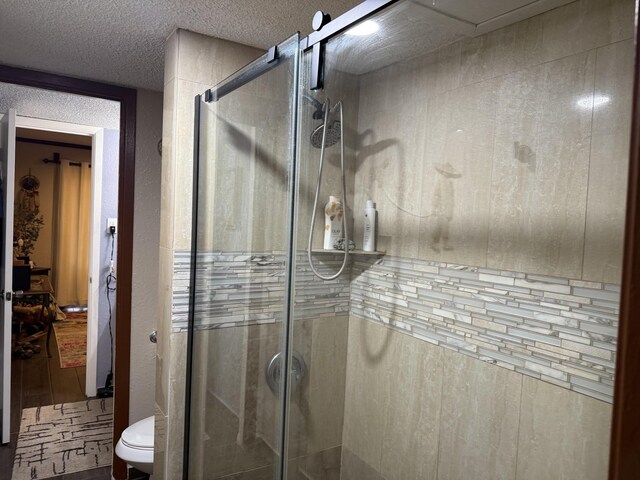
(488, 56)
(479, 420)
(388, 172)
(585, 25)
(563, 434)
(369, 346)
(540, 68)
(392, 405)
(202, 62)
(324, 465)
(168, 165)
(176, 404)
(171, 57)
(183, 171)
(353, 468)
(165, 271)
(606, 202)
(209, 60)
(160, 441)
(198, 58)
(457, 174)
(413, 380)
(327, 378)
(538, 202)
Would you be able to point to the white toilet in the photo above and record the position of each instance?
(136, 445)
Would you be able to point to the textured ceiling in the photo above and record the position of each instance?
(122, 41)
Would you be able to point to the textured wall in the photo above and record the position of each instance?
(146, 238)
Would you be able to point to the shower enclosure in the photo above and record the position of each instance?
(479, 340)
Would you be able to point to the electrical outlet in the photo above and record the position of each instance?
(112, 222)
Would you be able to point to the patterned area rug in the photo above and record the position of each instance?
(66, 438)
(71, 336)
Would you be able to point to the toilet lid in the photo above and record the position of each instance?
(140, 434)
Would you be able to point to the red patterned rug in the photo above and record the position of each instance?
(71, 336)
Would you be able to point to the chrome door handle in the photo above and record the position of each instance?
(153, 336)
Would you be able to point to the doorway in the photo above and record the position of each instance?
(71, 172)
(123, 181)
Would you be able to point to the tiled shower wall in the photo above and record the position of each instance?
(501, 206)
(537, 187)
(501, 193)
(480, 153)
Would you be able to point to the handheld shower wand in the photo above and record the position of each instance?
(323, 145)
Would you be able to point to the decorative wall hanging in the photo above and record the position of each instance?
(27, 220)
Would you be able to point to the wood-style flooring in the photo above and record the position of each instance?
(40, 381)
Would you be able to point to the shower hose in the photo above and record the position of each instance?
(327, 105)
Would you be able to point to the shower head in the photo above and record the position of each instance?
(333, 135)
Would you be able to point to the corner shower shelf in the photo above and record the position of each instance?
(351, 252)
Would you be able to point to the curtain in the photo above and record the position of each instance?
(71, 246)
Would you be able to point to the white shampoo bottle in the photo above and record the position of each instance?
(370, 221)
(333, 212)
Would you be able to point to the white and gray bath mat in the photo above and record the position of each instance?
(62, 439)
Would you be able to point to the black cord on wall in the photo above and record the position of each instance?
(107, 391)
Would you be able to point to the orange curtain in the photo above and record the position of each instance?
(71, 247)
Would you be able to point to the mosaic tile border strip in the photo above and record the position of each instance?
(555, 329)
(240, 288)
(558, 330)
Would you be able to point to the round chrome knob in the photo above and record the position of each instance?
(320, 19)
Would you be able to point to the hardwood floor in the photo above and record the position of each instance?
(40, 381)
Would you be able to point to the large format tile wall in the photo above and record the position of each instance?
(429, 413)
(501, 208)
(536, 178)
(509, 246)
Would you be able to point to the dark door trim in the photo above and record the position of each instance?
(624, 457)
(127, 99)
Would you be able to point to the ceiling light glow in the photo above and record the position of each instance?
(365, 28)
(593, 101)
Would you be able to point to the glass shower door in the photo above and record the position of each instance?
(240, 263)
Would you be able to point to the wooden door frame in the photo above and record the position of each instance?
(127, 99)
(624, 456)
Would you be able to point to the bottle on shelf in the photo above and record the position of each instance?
(370, 224)
(333, 212)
